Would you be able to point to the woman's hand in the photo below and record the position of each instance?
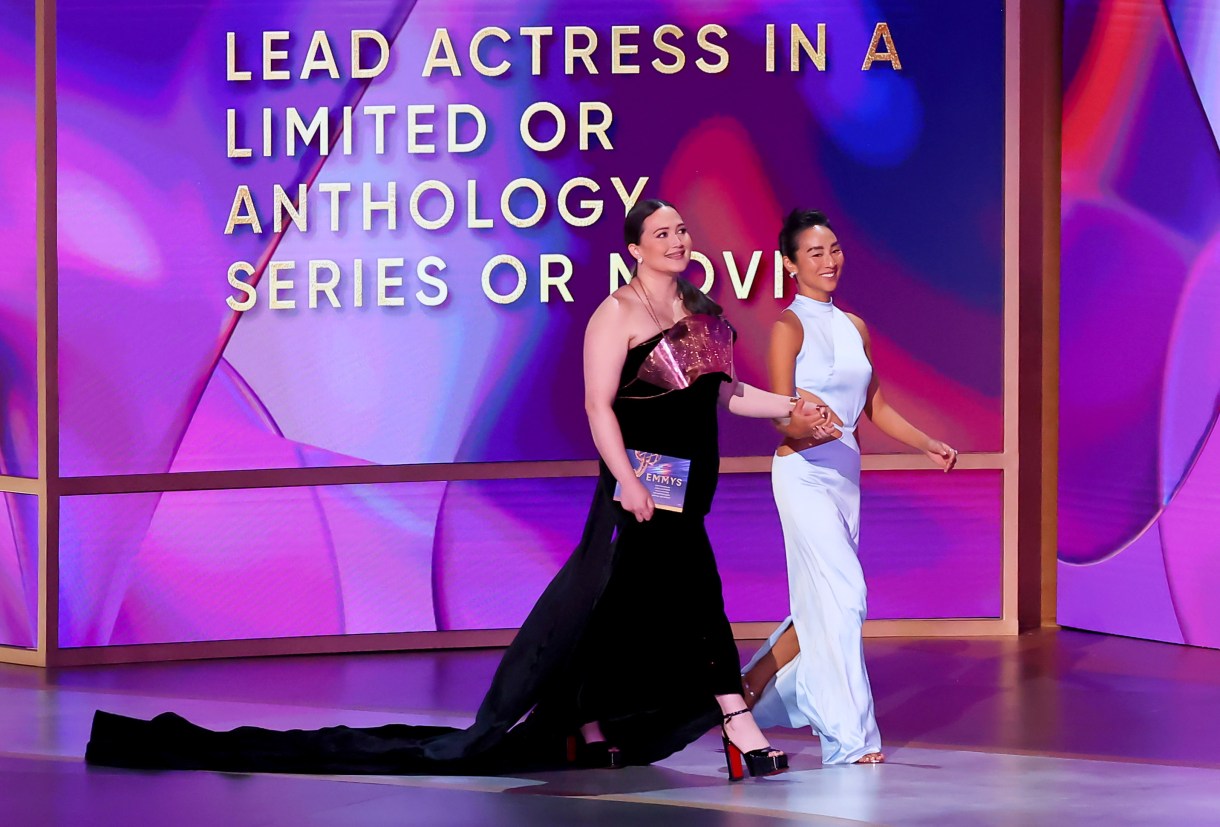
(802, 433)
(814, 401)
(638, 501)
(810, 421)
(941, 454)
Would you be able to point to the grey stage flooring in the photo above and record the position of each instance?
(1053, 728)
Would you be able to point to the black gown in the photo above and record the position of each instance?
(585, 652)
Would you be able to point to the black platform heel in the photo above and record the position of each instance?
(599, 755)
(757, 761)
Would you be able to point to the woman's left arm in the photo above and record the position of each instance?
(746, 400)
(893, 424)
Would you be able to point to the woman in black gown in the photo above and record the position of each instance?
(658, 360)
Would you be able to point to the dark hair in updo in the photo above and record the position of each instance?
(694, 299)
(796, 223)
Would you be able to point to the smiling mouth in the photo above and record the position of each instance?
(681, 254)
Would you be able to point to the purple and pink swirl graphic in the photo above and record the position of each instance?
(1139, 463)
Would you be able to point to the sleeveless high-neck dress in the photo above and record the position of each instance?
(817, 493)
(583, 653)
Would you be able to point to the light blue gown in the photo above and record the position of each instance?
(817, 492)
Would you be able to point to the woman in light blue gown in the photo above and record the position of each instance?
(811, 670)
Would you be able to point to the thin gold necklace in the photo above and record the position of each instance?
(647, 299)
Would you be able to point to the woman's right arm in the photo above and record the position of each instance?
(787, 336)
(605, 352)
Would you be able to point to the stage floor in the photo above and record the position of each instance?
(1052, 728)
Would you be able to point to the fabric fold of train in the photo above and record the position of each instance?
(537, 680)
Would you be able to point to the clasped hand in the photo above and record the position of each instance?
(813, 421)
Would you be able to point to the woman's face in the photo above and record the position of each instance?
(819, 260)
(664, 244)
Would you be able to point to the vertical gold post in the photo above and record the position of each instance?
(1038, 102)
(1052, 218)
(48, 334)
(1012, 280)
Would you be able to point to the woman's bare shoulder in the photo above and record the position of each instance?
(615, 311)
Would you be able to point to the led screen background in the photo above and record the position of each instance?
(18, 326)
(19, 570)
(19, 273)
(1139, 464)
(158, 375)
(474, 554)
(151, 354)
